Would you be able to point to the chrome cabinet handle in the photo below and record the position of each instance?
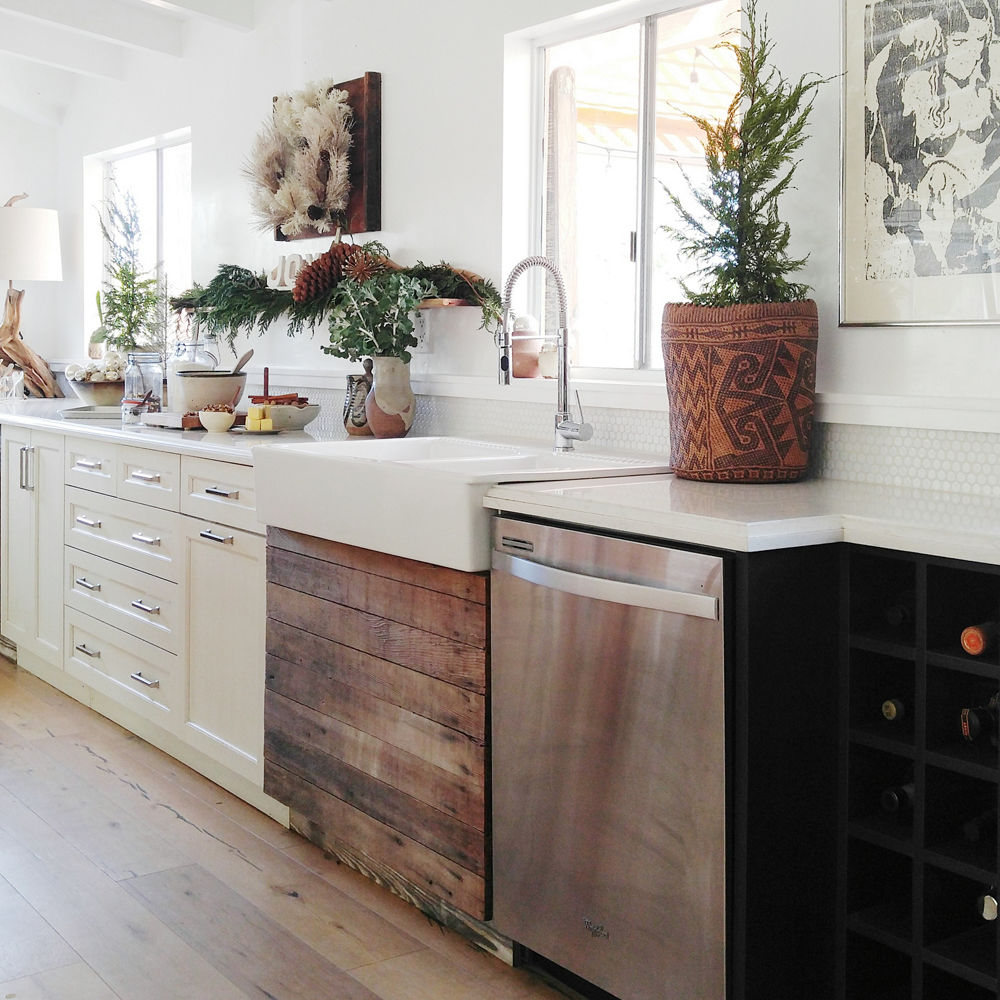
(150, 609)
(82, 581)
(26, 452)
(87, 521)
(137, 676)
(138, 536)
(94, 654)
(22, 481)
(213, 537)
(218, 491)
(87, 463)
(145, 477)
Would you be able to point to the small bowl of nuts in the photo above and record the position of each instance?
(217, 417)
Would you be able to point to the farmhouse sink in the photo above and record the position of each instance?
(420, 498)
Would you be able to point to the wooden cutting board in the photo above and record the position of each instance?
(181, 421)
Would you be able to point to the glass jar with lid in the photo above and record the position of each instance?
(143, 377)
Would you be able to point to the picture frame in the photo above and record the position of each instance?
(920, 239)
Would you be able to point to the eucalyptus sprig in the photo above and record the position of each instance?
(374, 318)
(750, 154)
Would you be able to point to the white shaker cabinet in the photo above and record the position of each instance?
(31, 520)
(226, 615)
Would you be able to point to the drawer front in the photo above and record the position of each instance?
(92, 465)
(138, 603)
(145, 538)
(221, 492)
(151, 477)
(133, 673)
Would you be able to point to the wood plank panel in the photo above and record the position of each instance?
(28, 945)
(68, 982)
(455, 796)
(366, 711)
(433, 655)
(244, 944)
(452, 617)
(427, 871)
(416, 820)
(468, 586)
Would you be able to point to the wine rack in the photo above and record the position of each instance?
(918, 856)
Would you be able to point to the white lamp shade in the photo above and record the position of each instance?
(29, 244)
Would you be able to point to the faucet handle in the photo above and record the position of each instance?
(571, 430)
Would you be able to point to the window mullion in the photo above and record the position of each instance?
(645, 162)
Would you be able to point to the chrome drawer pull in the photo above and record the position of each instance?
(218, 491)
(213, 537)
(138, 536)
(82, 581)
(87, 463)
(87, 521)
(137, 676)
(146, 477)
(148, 608)
(94, 654)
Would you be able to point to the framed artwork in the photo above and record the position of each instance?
(921, 172)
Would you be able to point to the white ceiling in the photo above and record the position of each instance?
(46, 46)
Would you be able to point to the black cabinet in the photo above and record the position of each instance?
(918, 834)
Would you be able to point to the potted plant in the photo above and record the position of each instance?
(740, 356)
(374, 318)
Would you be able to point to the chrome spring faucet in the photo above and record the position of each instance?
(567, 430)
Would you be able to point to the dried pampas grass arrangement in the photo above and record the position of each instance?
(299, 162)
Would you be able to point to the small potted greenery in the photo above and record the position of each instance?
(374, 318)
(740, 356)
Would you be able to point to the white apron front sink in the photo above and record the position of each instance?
(421, 498)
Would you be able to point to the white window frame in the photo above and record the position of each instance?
(524, 125)
(96, 178)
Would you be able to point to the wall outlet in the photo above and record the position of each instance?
(422, 331)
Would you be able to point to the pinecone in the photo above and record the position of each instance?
(323, 273)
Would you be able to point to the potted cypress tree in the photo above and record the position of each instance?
(740, 356)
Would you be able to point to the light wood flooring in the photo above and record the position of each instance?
(125, 874)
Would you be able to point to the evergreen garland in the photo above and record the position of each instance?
(751, 157)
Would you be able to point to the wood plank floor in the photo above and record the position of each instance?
(124, 874)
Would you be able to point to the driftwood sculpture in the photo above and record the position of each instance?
(37, 375)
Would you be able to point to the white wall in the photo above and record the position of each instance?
(441, 66)
(28, 166)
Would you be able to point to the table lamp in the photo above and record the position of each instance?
(29, 251)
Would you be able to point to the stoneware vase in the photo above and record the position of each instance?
(390, 405)
(741, 383)
(358, 387)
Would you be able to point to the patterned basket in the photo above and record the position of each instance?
(741, 384)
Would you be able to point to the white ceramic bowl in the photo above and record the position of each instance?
(100, 393)
(216, 420)
(200, 389)
(292, 418)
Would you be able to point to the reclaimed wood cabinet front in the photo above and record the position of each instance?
(375, 713)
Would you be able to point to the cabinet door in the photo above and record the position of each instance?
(31, 523)
(226, 614)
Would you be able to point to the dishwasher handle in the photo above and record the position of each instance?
(633, 595)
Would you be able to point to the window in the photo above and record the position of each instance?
(613, 134)
(157, 175)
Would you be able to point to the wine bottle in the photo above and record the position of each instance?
(894, 709)
(979, 724)
(900, 612)
(981, 827)
(897, 800)
(979, 639)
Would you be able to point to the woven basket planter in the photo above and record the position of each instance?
(741, 383)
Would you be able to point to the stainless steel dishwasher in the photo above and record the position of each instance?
(609, 771)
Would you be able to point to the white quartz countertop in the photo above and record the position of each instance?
(755, 518)
(231, 446)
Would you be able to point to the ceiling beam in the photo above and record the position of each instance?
(232, 13)
(142, 27)
(51, 46)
